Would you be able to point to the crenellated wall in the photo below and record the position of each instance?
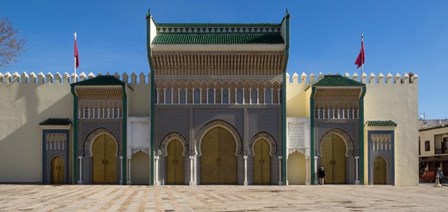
(28, 99)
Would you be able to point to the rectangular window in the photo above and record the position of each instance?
(427, 146)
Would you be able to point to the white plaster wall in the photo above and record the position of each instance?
(397, 102)
(23, 107)
(138, 135)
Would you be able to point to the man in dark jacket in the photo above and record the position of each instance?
(321, 175)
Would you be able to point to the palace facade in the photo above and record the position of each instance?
(218, 107)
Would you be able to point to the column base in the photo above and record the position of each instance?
(79, 181)
(192, 183)
(157, 183)
(280, 183)
(245, 183)
(357, 182)
(129, 183)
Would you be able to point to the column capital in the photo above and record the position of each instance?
(80, 157)
(356, 157)
(191, 157)
(280, 157)
(315, 157)
(121, 157)
(245, 157)
(156, 157)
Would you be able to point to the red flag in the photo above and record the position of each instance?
(76, 54)
(361, 57)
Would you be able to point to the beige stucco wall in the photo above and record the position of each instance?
(139, 99)
(297, 102)
(397, 102)
(23, 107)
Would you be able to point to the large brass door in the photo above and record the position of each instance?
(104, 160)
(218, 160)
(57, 170)
(262, 163)
(379, 171)
(333, 159)
(175, 163)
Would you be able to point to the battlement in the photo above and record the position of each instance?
(66, 78)
(379, 79)
(141, 78)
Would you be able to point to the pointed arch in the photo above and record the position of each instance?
(170, 137)
(219, 123)
(345, 137)
(91, 137)
(266, 136)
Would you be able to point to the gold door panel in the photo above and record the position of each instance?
(57, 170)
(218, 160)
(175, 163)
(104, 160)
(379, 171)
(333, 152)
(262, 163)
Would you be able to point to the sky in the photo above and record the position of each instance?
(401, 36)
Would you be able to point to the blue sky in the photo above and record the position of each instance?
(400, 35)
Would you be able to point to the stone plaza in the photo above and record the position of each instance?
(424, 197)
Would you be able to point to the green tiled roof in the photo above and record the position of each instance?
(101, 80)
(56, 121)
(377, 123)
(336, 81)
(216, 25)
(218, 39)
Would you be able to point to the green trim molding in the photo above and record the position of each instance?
(75, 135)
(152, 93)
(124, 138)
(284, 146)
(313, 174)
(361, 135)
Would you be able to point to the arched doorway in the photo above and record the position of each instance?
(140, 168)
(218, 159)
(296, 169)
(104, 150)
(333, 151)
(262, 163)
(175, 163)
(57, 170)
(379, 172)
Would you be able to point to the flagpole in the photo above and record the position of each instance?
(74, 65)
(362, 66)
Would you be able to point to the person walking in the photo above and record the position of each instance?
(321, 175)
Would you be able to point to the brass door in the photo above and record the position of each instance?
(379, 171)
(262, 163)
(57, 170)
(218, 160)
(175, 163)
(104, 160)
(333, 159)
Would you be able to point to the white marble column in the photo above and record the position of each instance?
(80, 169)
(280, 170)
(315, 170)
(129, 172)
(121, 170)
(245, 170)
(156, 171)
(357, 170)
(191, 170)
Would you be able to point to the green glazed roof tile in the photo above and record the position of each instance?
(379, 123)
(101, 80)
(56, 121)
(218, 39)
(217, 25)
(336, 81)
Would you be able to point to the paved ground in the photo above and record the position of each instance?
(222, 198)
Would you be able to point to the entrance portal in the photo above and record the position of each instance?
(175, 163)
(57, 170)
(218, 160)
(104, 152)
(262, 163)
(333, 152)
(379, 172)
